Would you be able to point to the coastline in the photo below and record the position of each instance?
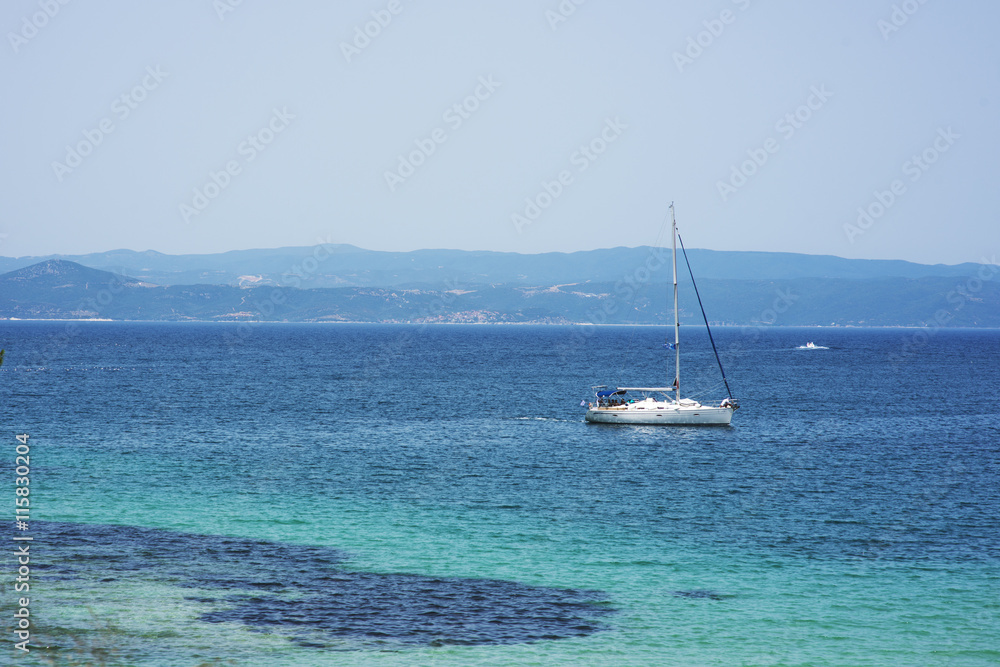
(501, 324)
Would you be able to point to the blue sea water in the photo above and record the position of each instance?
(282, 494)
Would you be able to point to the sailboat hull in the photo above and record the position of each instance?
(666, 415)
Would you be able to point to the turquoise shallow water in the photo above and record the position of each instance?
(311, 495)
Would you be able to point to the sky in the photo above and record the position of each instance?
(857, 128)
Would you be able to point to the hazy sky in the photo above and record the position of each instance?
(198, 126)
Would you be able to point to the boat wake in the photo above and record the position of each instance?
(812, 346)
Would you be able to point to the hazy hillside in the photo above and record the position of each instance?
(61, 289)
(332, 265)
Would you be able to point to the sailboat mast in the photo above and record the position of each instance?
(677, 323)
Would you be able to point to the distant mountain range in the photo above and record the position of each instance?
(616, 286)
(338, 265)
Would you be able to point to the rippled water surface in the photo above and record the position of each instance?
(348, 494)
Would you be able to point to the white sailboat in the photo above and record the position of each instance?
(655, 405)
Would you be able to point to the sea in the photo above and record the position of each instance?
(352, 494)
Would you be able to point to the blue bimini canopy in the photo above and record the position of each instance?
(605, 394)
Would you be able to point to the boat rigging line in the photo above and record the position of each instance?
(708, 328)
